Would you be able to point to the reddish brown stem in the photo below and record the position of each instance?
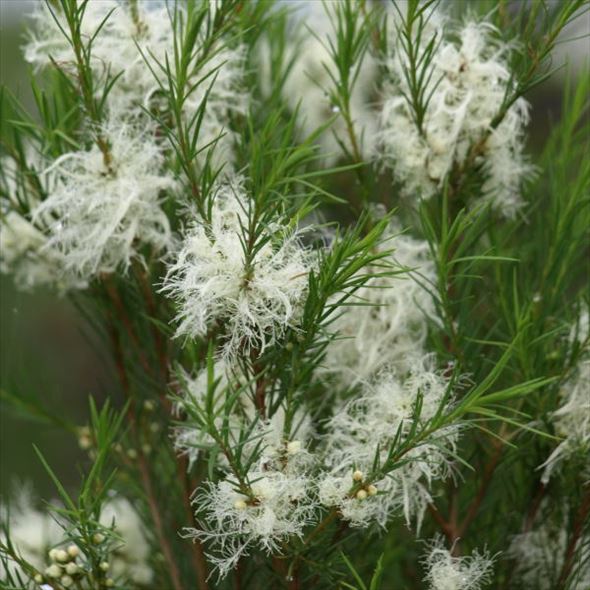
(294, 581)
(238, 575)
(260, 392)
(198, 555)
(340, 532)
(144, 471)
(152, 310)
(570, 552)
(473, 509)
(122, 316)
(156, 517)
(260, 397)
(536, 504)
(321, 526)
(451, 528)
(442, 523)
(118, 357)
(291, 577)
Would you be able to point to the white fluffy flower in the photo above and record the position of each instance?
(445, 572)
(274, 501)
(389, 327)
(275, 507)
(117, 51)
(372, 422)
(572, 421)
(130, 558)
(32, 532)
(308, 86)
(212, 284)
(467, 82)
(104, 214)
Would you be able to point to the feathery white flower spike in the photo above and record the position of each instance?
(391, 325)
(372, 422)
(129, 38)
(446, 572)
(105, 213)
(277, 507)
(275, 500)
(212, 285)
(114, 49)
(277, 503)
(467, 81)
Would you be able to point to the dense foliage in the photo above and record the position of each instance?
(347, 307)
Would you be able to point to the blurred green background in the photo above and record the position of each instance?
(43, 346)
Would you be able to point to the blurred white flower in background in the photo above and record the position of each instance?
(130, 558)
(309, 86)
(25, 251)
(33, 532)
(572, 421)
(539, 553)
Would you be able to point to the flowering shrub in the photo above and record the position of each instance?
(345, 302)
